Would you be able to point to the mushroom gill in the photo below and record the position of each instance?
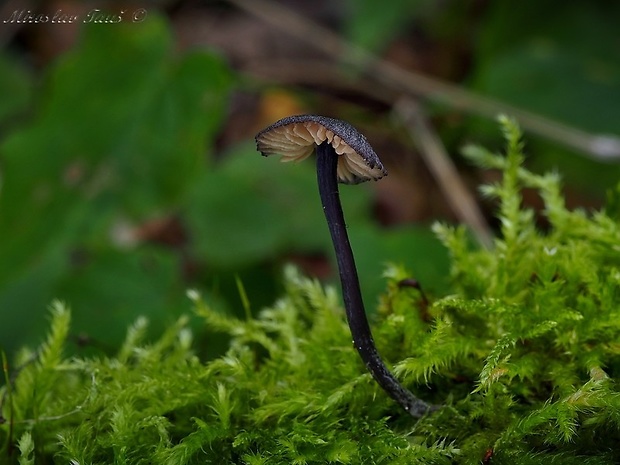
(294, 139)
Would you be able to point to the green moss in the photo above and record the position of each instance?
(524, 355)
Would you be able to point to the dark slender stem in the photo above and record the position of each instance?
(327, 162)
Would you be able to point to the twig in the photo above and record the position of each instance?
(439, 162)
(318, 73)
(599, 146)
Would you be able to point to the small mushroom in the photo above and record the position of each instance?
(343, 154)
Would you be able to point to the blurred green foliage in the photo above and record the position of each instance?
(563, 65)
(560, 63)
(117, 135)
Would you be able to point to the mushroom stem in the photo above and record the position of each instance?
(327, 163)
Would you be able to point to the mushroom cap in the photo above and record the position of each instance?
(296, 137)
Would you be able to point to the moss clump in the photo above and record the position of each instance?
(525, 356)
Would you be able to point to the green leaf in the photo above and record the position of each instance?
(113, 288)
(558, 63)
(119, 133)
(120, 130)
(248, 209)
(416, 248)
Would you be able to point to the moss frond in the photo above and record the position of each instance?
(26, 449)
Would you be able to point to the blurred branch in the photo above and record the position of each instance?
(318, 73)
(440, 164)
(599, 146)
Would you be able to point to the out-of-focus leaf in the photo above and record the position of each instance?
(556, 61)
(250, 209)
(417, 248)
(110, 286)
(24, 299)
(548, 77)
(121, 129)
(559, 62)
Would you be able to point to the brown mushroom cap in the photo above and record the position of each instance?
(295, 138)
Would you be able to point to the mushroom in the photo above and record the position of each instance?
(343, 154)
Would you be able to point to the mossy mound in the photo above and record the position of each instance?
(524, 356)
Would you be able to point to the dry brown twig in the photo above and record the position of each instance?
(412, 116)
